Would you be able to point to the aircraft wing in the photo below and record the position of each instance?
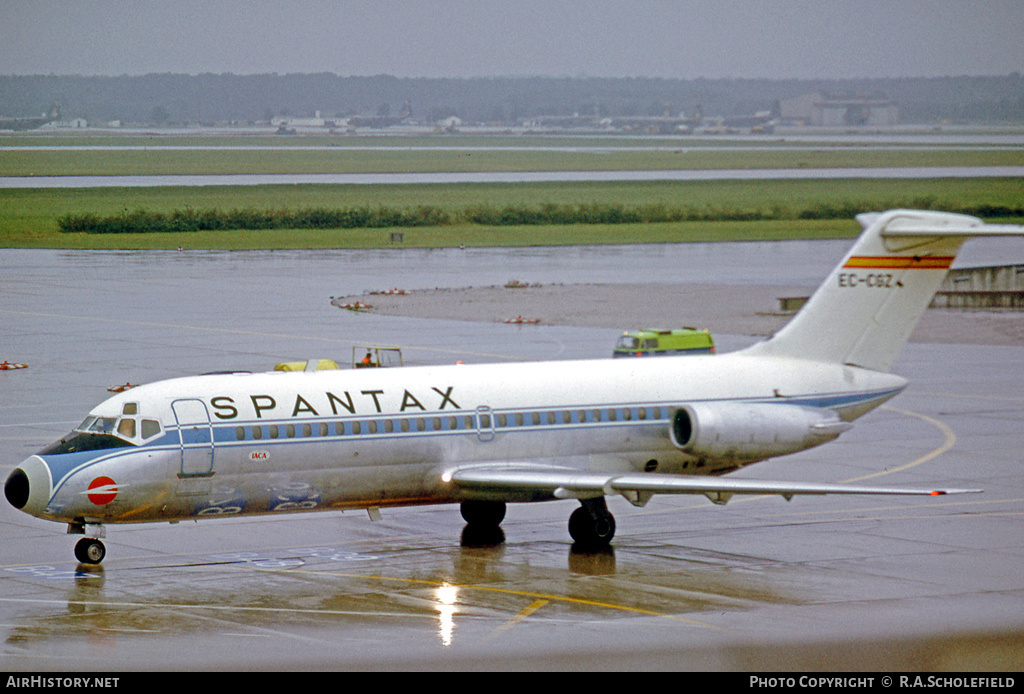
(568, 483)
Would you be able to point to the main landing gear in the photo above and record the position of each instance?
(483, 514)
(591, 525)
(483, 523)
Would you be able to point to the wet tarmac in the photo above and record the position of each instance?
(816, 583)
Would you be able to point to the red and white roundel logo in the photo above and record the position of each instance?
(102, 491)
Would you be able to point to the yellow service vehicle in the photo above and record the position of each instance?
(653, 343)
(310, 365)
(375, 356)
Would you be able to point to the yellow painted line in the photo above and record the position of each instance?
(493, 589)
(520, 616)
(949, 442)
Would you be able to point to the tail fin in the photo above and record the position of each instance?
(864, 312)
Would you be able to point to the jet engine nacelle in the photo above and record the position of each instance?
(745, 432)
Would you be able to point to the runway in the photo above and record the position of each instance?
(143, 181)
(818, 583)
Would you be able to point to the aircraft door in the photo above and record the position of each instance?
(484, 423)
(195, 433)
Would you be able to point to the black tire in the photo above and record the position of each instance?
(483, 513)
(591, 531)
(90, 551)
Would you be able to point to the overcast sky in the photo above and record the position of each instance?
(472, 38)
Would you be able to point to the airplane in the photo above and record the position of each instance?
(486, 435)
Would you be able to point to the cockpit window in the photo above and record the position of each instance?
(150, 428)
(98, 425)
(78, 441)
(97, 433)
(126, 427)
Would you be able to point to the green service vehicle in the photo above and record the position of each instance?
(656, 343)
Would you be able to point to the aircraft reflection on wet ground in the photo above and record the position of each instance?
(479, 590)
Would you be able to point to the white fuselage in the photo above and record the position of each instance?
(234, 444)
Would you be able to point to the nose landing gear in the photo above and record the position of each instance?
(88, 550)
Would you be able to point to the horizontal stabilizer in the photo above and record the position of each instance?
(916, 227)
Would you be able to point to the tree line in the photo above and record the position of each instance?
(189, 220)
(218, 98)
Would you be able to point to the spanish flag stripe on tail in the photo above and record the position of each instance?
(900, 263)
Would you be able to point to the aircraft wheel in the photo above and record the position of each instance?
(90, 551)
(483, 513)
(591, 529)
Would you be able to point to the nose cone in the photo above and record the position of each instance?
(28, 487)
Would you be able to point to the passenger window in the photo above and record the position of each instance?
(151, 427)
(356, 428)
(519, 419)
(307, 430)
(436, 423)
(405, 425)
(372, 426)
(339, 428)
(289, 431)
(126, 428)
(239, 431)
(272, 429)
(323, 429)
(257, 433)
(389, 426)
(535, 417)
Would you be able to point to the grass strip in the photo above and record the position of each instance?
(29, 217)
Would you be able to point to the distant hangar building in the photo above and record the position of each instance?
(838, 110)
